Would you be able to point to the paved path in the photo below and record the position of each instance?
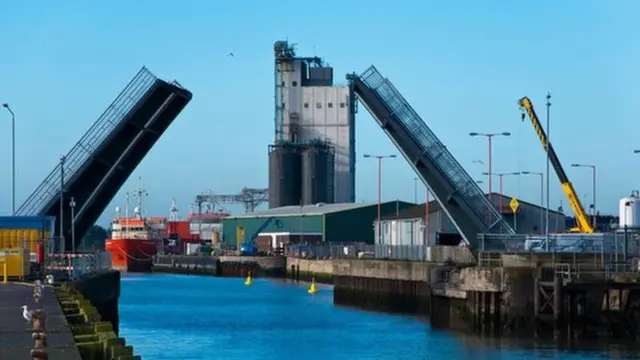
(15, 332)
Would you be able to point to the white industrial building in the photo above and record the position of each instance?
(309, 107)
(407, 227)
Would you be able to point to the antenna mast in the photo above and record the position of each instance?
(126, 217)
(140, 194)
(173, 211)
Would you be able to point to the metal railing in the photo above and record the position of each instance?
(598, 243)
(78, 265)
(382, 252)
(597, 256)
(184, 260)
(90, 142)
(433, 149)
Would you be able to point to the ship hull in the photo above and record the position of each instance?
(132, 255)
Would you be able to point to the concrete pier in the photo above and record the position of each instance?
(522, 295)
(526, 296)
(236, 266)
(17, 340)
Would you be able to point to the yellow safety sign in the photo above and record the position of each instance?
(514, 205)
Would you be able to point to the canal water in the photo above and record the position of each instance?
(196, 317)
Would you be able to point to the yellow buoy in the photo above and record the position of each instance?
(249, 280)
(313, 289)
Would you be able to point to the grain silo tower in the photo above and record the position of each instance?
(312, 113)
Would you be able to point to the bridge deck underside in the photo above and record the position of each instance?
(96, 182)
(460, 197)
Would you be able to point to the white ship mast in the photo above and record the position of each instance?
(125, 224)
(140, 194)
(173, 211)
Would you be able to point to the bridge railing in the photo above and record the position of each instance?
(90, 141)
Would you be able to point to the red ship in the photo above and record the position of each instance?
(135, 240)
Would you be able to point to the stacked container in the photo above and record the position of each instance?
(25, 239)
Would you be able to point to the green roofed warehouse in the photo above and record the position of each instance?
(309, 224)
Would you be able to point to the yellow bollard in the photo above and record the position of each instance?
(5, 274)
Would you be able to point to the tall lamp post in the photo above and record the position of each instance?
(72, 205)
(541, 174)
(546, 210)
(62, 244)
(593, 184)
(13, 158)
(379, 157)
(490, 136)
(426, 216)
(500, 176)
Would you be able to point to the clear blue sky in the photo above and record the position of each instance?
(462, 65)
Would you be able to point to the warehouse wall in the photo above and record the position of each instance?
(357, 225)
(528, 221)
(293, 224)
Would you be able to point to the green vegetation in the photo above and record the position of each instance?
(94, 239)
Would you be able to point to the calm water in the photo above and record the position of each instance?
(193, 317)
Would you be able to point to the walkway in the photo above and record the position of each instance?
(15, 333)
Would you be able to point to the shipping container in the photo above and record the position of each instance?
(17, 261)
(27, 231)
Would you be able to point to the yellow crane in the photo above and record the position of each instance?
(582, 218)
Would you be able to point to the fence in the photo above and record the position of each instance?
(387, 252)
(184, 260)
(622, 243)
(573, 256)
(77, 265)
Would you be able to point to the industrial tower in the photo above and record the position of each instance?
(313, 155)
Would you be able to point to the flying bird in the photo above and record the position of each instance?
(27, 314)
(230, 54)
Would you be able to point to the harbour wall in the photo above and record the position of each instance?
(257, 266)
(524, 296)
(103, 291)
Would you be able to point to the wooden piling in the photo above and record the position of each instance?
(557, 305)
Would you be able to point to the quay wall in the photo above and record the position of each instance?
(308, 269)
(103, 291)
(523, 297)
(257, 266)
(385, 285)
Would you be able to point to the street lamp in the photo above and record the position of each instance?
(13, 158)
(500, 176)
(72, 205)
(541, 194)
(490, 136)
(379, 157)
(62, 244)
(548, 153)
(593, 184)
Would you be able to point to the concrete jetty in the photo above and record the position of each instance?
(16, 334)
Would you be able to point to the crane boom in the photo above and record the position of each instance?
(581, 216)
